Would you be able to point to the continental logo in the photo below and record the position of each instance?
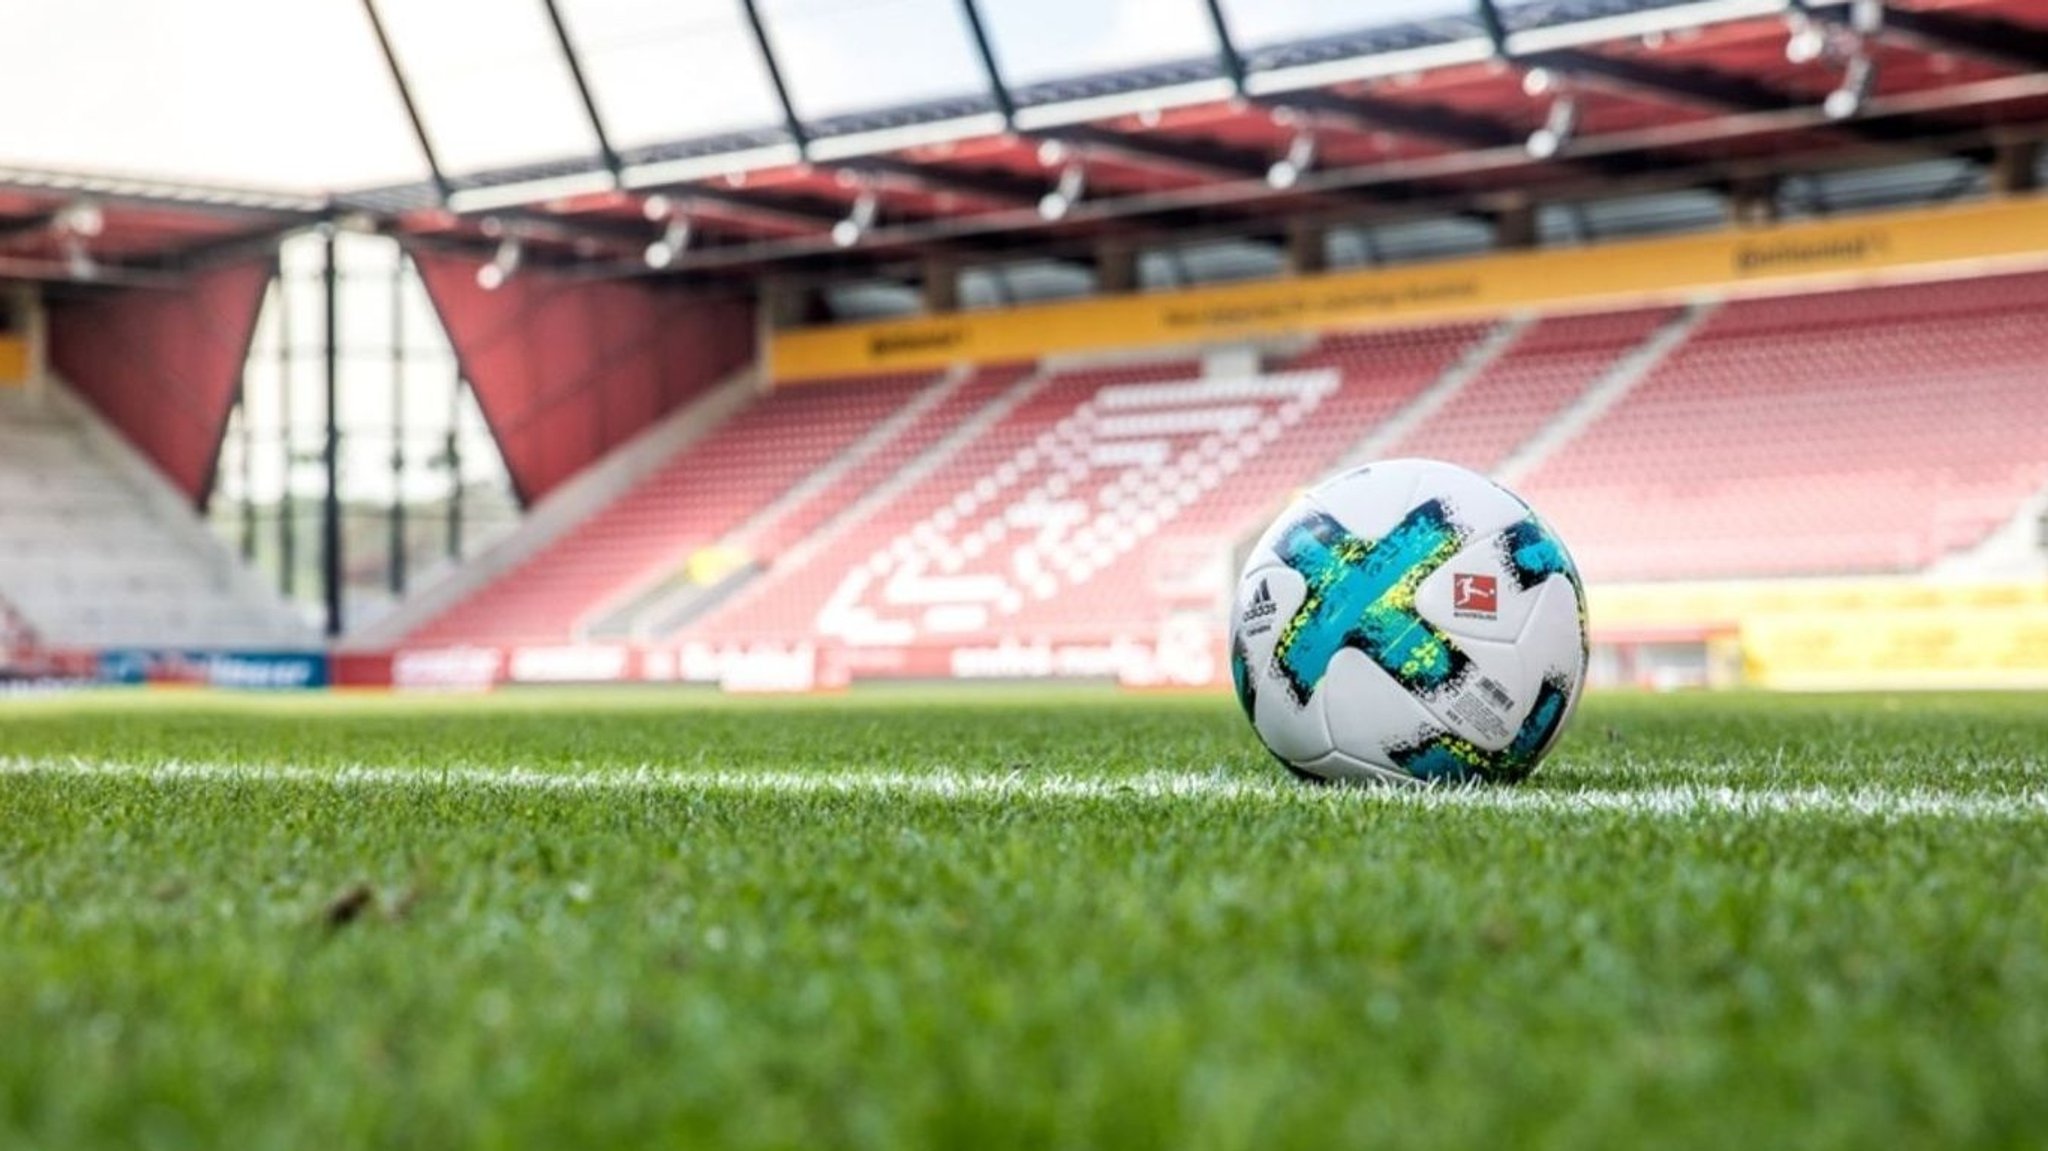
(917, 341)
(1313, 305)
(1779, 255)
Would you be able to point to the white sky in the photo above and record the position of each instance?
(292, 94)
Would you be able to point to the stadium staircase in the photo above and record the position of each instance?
(1594, 362)
(814, 517)
(19, 644)
(98, 551)
(2015, 550)
(1389, 438)
(692, 501)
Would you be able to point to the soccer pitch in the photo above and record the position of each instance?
(1022, 919)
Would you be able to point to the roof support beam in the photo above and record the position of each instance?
(1994, 41)
(420, 135)
(1692, 86)
(983, 187)
(1726, 93)
(1496, 28)
(774, 210)
(25, 225)
(574, 60)
(985, 48)
(791, 122)
(1444, 125)
(1459, 129)
(1226, 45)
(1181, 155)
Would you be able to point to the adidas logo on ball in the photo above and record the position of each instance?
(1262, 605)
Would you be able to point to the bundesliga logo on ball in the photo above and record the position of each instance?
(1408, 621)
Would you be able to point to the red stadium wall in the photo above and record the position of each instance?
(162, 366)
(567, 369)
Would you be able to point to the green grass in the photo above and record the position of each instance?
(1846, 948)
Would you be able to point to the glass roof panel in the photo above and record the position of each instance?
(490, 82)
(248, 93)
(1520, 15)
(1260, 23)
(843, 56)
(663, 70)
(1040, 40)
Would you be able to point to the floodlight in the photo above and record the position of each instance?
(1558, 128)
(848, 232)
(1859, 78)
(1072, 185)
(1807, 42)
(78, 259)
(1301, 156)
(674, 239)
(80, 218)
(504, 262)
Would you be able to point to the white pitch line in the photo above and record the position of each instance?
(1667, 801)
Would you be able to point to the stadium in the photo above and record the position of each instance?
(603, 572)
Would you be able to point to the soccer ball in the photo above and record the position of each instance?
(1409, 620)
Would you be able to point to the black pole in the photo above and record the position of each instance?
(287, 510)
(405, 97)
(1496, 27)
(1226, 46)
(330, 507)
(574, 59)
(248, 442)
(791, 122)
(397, 557)
(984, 48)
(453, 456)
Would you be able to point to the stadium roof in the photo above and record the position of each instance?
(737, 135)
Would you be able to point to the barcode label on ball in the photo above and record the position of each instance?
(1495, 692)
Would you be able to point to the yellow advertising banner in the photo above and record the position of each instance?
(1620, 609)
(1960, 647)
(13, 362)
(1846, 250)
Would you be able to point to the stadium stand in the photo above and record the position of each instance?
(1842, 432)
(91, 557)
(711, 489)
(1783, 436)
(1547, 367)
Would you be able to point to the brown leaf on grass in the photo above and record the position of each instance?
(349, 906)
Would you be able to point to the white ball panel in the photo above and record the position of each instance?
(1478, 504)
(1552, 641)
(1368, 501)
(1367, 711)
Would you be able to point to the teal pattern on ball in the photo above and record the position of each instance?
(1361, 595)
(1534, 553)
